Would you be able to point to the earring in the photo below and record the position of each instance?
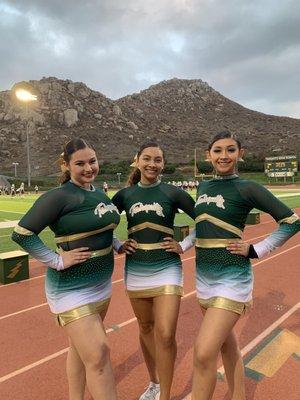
(241, 159)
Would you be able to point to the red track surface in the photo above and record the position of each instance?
(31, 366)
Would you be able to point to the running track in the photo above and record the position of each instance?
(33, 348)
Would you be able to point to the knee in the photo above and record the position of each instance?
(230, 347)
(146, 327)
(165, 337)
(225, 349)
(203, 359)
(98, 358)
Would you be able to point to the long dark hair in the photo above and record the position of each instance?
(71, 147)
(224, 135)
(135, 175)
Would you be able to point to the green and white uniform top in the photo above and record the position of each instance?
(78, 218)
(221, 210)
(150, 212)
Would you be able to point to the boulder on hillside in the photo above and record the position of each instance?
(70, 117)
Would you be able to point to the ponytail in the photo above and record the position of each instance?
(134, 177)
(65, 177)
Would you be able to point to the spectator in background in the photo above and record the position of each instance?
(12, 190)
(105, 187)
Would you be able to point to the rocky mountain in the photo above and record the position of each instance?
(179, 114)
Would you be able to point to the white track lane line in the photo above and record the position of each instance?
(63, 351)
(37, 306)
(117, 258)
(36, 277)
(121, 280)
(122, 324)
(23, 311)
(250, 346)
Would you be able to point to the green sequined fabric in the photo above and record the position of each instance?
(152, 255)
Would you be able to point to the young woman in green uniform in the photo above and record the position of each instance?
(78, 276)
(224, 278)
(153, 270)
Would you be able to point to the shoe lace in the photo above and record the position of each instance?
(152, 390)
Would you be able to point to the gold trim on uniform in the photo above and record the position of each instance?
(220, 223)
(23, 231)
(226, 304)
(66, 317)
(151, 225)
(82, 235)
(214, 243)
(149, 246)
(289, 220)
(95, 253)
(102, 252)
(156, 291)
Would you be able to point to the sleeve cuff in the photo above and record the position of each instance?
(116, 244)
(188, 242)
(56, 262)
(261, 249)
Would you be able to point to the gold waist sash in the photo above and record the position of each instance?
(95, 253)
(76, 236)
(149, 246)
(213, 243)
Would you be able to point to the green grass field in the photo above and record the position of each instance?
(12, 209)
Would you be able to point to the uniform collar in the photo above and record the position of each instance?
(226, 177)
(149, 186)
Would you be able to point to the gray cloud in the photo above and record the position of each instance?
(248, 51)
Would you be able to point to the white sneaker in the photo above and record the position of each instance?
(152, 392)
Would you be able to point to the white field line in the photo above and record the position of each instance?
(250, 346)
(288, 195)
(11, 224)
(122, 324)
(13, 212)
(14, 223)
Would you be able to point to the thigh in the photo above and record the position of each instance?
(87, 335)
(103, 313)
(143, 309)
(166, 310)
(216, 327)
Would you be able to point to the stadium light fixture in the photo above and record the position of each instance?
(15, 164)
(25, 93)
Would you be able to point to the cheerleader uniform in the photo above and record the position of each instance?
(79, 218)
(151, 271)
(225, 280)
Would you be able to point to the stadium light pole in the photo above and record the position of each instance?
(119, 178)
(26, 96)
(15, 164)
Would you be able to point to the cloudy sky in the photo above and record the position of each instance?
(247, 50)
